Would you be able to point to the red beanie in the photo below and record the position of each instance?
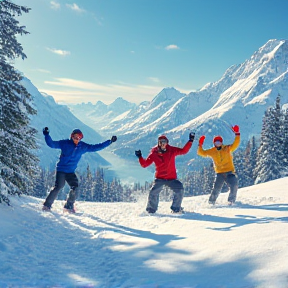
(218, 138)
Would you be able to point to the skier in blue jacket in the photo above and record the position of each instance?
(71, 151)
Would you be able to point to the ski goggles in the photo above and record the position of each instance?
(217, 143)
(163, 141)
(76, 137)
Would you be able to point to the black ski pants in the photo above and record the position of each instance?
(232, 181)
(175, 185)
(72, 181)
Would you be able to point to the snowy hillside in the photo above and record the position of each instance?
(60, 122)
(113, 245)
(240, 97)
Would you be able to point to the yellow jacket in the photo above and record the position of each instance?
(223, 159)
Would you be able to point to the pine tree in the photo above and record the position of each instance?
(270, 153)
(278, 140)
(188, 183)
(99, 185)
(127, 193)
(40, 186)
(253, 158)
(240, 162)
(250, 155)
(285, 142)
(208, 179)
(86, 186)
(17, 161)
(247, 175)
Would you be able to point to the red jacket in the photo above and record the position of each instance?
(165, 162)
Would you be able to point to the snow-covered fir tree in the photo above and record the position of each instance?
(43, 183)
(278, 116)
(285, 141)
(250, 155)
(270, 154)
(17, 161)
(188, 183)
(199, 182)
(208, 179)
(86, 186)
(239, 163)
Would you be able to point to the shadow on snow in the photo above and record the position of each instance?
(70, 254)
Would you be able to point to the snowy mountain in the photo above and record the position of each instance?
(142, 117)
(240, 97)
(112, 245)
(60, 122)
(100, 114)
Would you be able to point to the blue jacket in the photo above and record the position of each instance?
(71, 154)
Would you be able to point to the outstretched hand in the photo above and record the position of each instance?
(114, 139)
(46, 131)
(235, 129)
(201, 140)
(138, 153)
(191, 136)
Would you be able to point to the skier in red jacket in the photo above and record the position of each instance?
(163, 156)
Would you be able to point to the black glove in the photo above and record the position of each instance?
(191, 136)
(138, 153)
(46, 131)
(114, 139)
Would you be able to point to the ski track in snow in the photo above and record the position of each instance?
(120, 245)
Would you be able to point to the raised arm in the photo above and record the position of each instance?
(187, 146)
(144, 162)
(49, 141)
(200, 150)
(236, 142)
(100, 146)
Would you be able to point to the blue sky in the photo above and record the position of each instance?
(90, 50)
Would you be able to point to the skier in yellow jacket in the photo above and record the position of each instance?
(223, 165)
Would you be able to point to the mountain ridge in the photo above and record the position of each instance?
(240, 96)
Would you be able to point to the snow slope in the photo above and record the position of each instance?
(118, 245)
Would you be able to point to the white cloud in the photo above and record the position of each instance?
(59, 52)
(43, 71)
(55, 5)
(172, 47)
(75, 7)
(75, 91)
(154, 79)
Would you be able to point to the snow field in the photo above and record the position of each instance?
(119, 245)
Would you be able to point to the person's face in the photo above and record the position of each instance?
(76, 138)
(217, 143)
(162, 143)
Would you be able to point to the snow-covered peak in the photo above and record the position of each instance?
(120, 105)
(167, 96)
